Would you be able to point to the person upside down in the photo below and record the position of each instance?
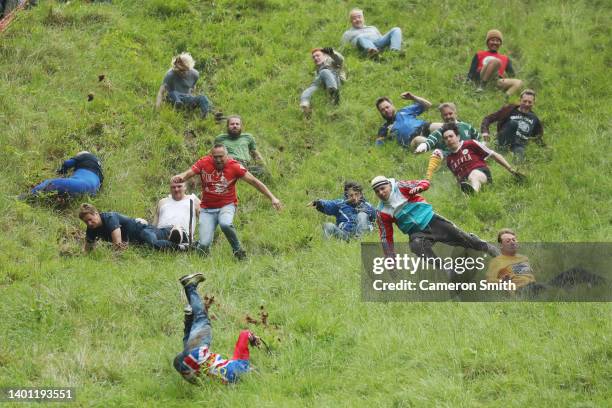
(197, 359)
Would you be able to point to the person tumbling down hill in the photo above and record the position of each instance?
(513, 267)
(121, 230)
(219, 175)
(448, 112)
(491, 66)
(354, 215)
(196, 359)
(516, 125)
(86, 178)
(179, 86)
(403, 125)
(466, 160)
(401, 204)
(329, 75)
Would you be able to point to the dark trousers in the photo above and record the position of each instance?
(442, 230)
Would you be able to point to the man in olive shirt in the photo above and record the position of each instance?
(241, 146)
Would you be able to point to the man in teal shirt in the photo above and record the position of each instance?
(241, 146)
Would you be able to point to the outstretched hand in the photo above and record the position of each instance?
(277, 204)
(407, 95)
(254, 340)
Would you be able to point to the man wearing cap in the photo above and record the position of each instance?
(401, 204)
(490, 65)
(178, 210)
(403, 125)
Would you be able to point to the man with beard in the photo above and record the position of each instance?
(403, 124)
(448, 111)
(241, 146)
(219, 174)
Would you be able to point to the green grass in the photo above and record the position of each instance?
(110, 324)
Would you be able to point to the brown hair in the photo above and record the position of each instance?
(381, 100)
(87, 208)
(505, 231)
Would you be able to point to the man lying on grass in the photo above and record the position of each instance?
(121, 230)
(196, 359)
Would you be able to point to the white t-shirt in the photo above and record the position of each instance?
(171, 212)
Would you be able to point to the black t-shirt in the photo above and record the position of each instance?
(86, 161)
(130, 228)
(527, 124)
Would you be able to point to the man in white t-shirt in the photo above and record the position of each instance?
(178, 210)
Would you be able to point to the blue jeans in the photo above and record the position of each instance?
(393, 40)
(156, 237)
(180, 100)
(332, 230)
(326, 78)
(224, 217)
(197, 331)
(82, 181)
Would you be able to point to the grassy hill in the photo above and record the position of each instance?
(110, 324)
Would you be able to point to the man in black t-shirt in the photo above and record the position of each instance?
(120, 230)
(516, 125)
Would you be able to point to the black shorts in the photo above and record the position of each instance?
(485, 170)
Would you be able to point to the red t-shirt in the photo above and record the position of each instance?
(218, 187)
(471, 155)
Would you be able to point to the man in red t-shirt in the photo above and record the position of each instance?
(467, 160)
(219, 174)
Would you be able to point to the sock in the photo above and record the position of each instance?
(433, 165)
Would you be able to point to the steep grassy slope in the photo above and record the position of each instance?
(109, 324)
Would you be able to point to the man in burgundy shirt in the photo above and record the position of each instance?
(219, 174)
(467, 160)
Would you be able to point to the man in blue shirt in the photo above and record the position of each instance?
(403, 125)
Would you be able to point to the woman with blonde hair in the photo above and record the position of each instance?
(179, 85)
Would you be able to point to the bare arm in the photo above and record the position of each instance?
(156, 215)
(261, 187)
(186, 175)
(116, 237)
(421, 101)
(257, 156)
(500, 159)
(160, 96)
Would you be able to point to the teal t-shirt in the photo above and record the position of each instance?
(238, 148)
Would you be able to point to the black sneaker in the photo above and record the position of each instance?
(467, 188)
(193, 279)
(240, 255)
(176, 235)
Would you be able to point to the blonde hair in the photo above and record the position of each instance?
(447, 105)
(355, 10)
(87, 208)
(183, 62)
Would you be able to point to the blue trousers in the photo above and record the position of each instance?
(180, 100)
(82, 181)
